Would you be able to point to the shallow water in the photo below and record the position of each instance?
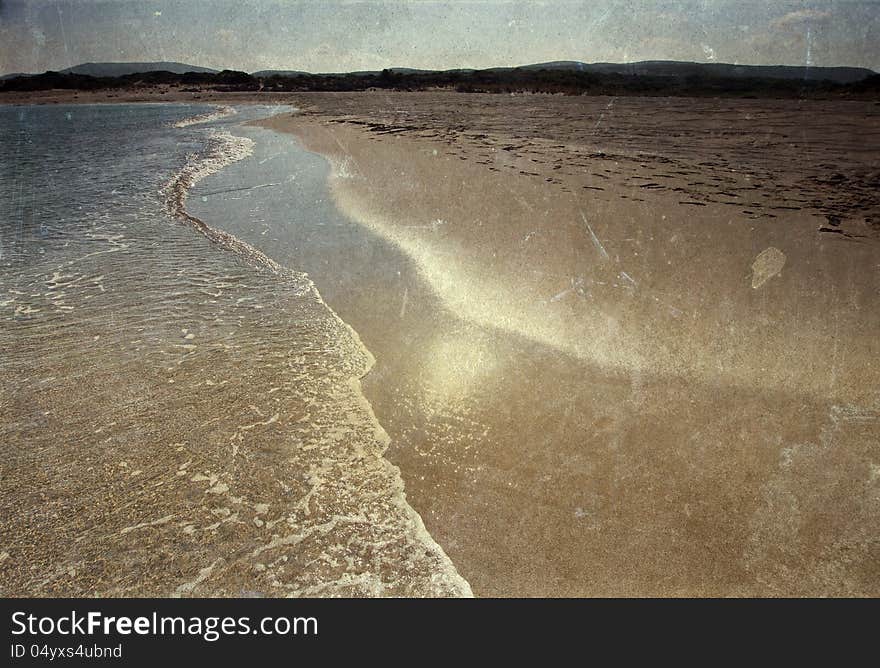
(177, 416)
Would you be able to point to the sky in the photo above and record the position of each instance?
(350, 35)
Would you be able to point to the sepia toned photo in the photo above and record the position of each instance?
(421, 299)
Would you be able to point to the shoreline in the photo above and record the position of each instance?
(387, 177)
(231, 150)
(235, 453)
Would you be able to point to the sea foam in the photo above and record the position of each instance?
(207, 117)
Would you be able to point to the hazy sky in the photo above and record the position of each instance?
(344, 35)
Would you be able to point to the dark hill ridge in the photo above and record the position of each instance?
(278, 73)
(650, 68)
(672, 68)
(360, 73)
(650, 78)
(122, 69)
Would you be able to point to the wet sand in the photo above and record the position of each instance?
(632, 346)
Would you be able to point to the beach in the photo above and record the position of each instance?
(637, 353)
(180, 416)
(528, 345)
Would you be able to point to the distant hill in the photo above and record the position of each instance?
(648, 68)
(649, 78)
(122, 69)
(374, 73)
(673, 68)
(360, 73)
(279, 73)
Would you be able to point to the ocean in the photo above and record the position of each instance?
(180, 412)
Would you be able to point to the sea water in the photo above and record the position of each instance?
(180, 414)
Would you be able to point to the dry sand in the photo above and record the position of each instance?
(645, 356)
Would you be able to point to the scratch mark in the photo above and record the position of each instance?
(403, 304)
(596, 241)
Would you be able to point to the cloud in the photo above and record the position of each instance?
(794, 20)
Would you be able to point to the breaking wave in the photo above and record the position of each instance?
(207, 117)
(222, 149)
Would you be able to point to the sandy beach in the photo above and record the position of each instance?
(616, 347)
(637, 354)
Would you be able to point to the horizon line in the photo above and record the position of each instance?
(448, 69)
